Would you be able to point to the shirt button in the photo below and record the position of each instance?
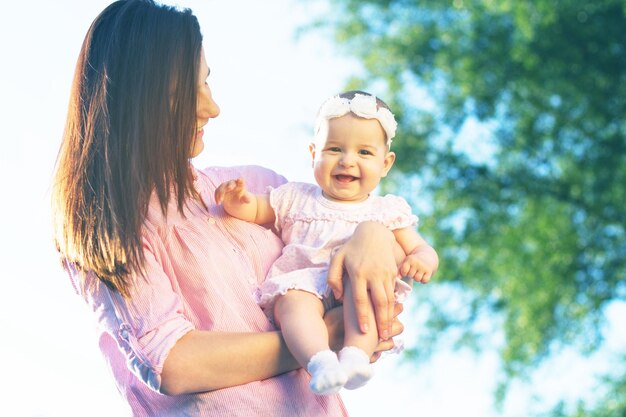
(211, 220)
(125, 334)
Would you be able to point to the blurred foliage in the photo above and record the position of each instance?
(612, 403)
(512, 128)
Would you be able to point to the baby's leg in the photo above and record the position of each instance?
(358, 346)
(300, 317)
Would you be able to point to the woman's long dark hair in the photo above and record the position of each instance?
(130, 126)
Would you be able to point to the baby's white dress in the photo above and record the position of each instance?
(312, 227)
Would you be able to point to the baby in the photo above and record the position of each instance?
(351, 153)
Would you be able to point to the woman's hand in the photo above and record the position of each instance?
(370, 259)
(334, 323)
(396, 329)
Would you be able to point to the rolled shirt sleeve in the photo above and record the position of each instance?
(147, 325)
(152, 321)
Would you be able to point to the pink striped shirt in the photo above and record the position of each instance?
(202, 273)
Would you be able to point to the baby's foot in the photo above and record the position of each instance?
(356, 365)
(327, 376)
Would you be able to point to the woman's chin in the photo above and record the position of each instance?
(198, 146)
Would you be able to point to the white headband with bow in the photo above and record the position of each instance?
(361, 105)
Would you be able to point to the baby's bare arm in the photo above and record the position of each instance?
(422, 260)
(242, 204)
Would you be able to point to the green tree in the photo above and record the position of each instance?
(529, 215)
(612, 403)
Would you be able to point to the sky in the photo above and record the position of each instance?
(269, 86)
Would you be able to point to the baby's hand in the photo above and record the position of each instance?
(417, 267)
(232, 192)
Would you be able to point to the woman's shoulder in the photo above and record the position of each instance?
(257, 178)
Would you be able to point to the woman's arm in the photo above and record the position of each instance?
(205, 361)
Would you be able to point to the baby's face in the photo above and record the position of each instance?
(350, 158)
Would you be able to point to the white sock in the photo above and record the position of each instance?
(327, 376)
(356, 364)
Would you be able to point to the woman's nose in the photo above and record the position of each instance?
(207, 107)
(213, 108)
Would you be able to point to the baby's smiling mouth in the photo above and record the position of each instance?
(344, 178)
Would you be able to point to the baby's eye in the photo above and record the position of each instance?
(365, 152)
(334, 149)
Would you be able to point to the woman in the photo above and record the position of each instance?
(168, 274)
